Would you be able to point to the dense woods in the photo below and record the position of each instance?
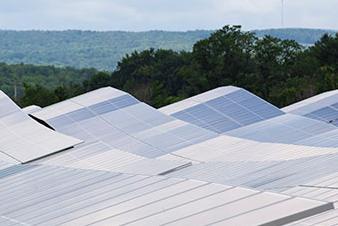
(13, 77)
(102, 50)
(303, 36)
(280, 71)
(83, 49)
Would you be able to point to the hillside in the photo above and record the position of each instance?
(82, 49)
(301, 35)
(102, 50)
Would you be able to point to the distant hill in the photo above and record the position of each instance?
(301, 35)
(102, 50)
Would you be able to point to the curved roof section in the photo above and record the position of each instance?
(323, 107)
(120, 121)
(139, 166)
(31, 109)
(288, 128)
(237, 112)
(242, 162)
(23, 139)
(313, 103)
(223, 109)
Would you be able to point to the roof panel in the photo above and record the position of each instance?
(122, 122)
(322, 107)
(23, 139)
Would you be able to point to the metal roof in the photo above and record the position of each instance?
(141, 166)
(45, 195)
(22, 139)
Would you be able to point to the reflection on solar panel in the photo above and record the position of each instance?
(224, 157)
(23, 139)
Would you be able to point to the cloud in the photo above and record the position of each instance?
(164, 14)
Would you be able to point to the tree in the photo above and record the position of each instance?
(225, 56)
(38, 95)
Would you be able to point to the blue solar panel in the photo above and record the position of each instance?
(335, 105)
(283, 129)
(113, 104)
(228, 112)
(186, 116)
(234, 111)
(103, 107)
(60, 121)
(261, 108)
(123, 101)
(223, 126)
(81, 114)
(326, 114)
(203, 116)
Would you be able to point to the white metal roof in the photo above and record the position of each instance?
(139, 166)
(23, 139)
(55, 195)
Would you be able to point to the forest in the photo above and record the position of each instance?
(87, 49)
(102, 50)
(303, 36)
(280, 71)
(14, 76)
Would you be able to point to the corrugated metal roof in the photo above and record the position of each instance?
(138, 166)
(22, 139)
(56, 195)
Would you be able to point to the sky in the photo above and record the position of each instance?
(173, 15)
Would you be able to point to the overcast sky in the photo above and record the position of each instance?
(140, 15)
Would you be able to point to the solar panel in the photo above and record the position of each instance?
(287, 128)
(223, 109)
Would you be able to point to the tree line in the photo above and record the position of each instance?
(280, 71)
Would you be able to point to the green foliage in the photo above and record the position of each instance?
(102, 50)
(38, 95)
(87, 49)
(303, 36)
(280, 71)
(12, 77)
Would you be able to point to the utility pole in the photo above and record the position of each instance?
(15, 87)
(282, 13)
(15, 91)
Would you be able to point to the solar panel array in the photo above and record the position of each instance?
(224, 157)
